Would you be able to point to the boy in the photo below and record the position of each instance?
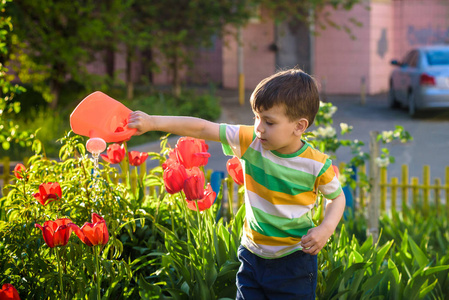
(283, 174)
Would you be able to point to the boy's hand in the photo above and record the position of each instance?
(315, 239)
(141, 121)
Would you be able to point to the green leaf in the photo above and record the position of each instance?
(372, 283)
(418, 254)
(6, 145)
(355, 256)
(147, 290)
(431, 270)
(394, 270)
(380, 255)
(424, 291)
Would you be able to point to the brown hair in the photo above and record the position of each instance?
(294, 89)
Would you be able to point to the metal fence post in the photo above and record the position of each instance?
(374, 201)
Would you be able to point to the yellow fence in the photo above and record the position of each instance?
(396, 193)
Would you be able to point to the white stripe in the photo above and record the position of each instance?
(267, 250)
(331, 187)
(284, 211)
(296, 163)
(232, 135)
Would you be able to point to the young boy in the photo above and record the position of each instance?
(283, 175)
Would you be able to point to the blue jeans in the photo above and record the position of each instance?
(290, 277)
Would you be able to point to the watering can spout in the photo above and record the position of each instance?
(99, 115)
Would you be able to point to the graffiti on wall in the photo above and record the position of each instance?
(427, 35)
(382, 43)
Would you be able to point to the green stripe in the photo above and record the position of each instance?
(275, 177)
(297, 153)
(334, 194)
(224, 141)
(326, 166)
(285, 227)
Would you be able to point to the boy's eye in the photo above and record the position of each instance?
(269, 123)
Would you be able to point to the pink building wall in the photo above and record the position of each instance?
(381, 41)
(340, 61)
(258, 59)
(390, 29)
(343, 61)
(419, 22)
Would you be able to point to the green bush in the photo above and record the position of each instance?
(190, 103)
(157, 246)
(160, 249)
(50, 125)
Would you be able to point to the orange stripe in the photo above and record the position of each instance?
(269, 240)
(315, 155)
(278, 198)
(327, 176)
(246, 137)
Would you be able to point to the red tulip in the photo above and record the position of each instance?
(115, 154)
(137, 158)
(48, 192)
(204, 203)
(174, 176)
(8, 291)
(92, 234)
(337, 172)
(194, 184)
(56, 233)
(170, 160)
(19, 170)
(192, 152)
(234, 168)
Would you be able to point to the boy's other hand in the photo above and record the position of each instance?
(315, 239)
(139, 120)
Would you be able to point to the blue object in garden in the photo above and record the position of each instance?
(215, 181)
(349, 194)
(349, 200)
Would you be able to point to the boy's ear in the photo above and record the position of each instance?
(301, 126)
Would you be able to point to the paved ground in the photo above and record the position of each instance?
(430, 132)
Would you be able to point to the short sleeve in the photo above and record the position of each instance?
(328, 182)
(236, 139)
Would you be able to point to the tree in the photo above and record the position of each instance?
(9, 132)
(57, 38)
(189, 24)
(185, 24)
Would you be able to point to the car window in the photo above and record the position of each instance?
(437, 57)
(414, 59)
(407, 57)
(411, 58)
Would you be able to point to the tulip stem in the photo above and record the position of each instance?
(200, 235)
(187, 218)
(97, 267)
(61, 285)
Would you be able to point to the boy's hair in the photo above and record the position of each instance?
(294, 89)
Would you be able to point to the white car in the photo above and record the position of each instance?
(421, 79)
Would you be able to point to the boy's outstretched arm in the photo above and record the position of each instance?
(183, 126)
(316, 238)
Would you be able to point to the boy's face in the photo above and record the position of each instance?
(277, 132)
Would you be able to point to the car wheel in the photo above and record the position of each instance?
(411, 104)
(392, 101)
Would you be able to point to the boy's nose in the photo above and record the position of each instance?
(259, 128)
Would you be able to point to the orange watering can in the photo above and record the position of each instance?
(99, 115)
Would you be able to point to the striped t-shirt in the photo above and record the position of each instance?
(280, 191)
